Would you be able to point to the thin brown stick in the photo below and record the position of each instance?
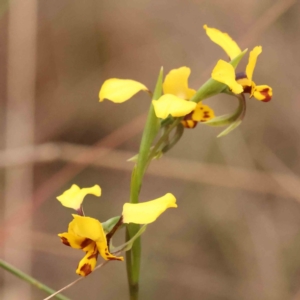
(81, 278)
(74, 282)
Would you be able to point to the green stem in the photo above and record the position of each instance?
(133, 257)
(29, 279)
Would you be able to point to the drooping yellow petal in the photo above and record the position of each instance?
(224, 72)
(88, 263)
(87, 227)
(147, 212)
(224, 41)
(263, 93)
(202, 113)
(72, 240)
(176, 83)
(120, 90)
(73, 197)
(171, 105)
(252, 61)
(104, 252)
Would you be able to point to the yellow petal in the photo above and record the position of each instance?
(176, 83)
(224, 41)
(263, 93)
(120, 90)
(252, 61)
(88, 263)
(225, 73)
(72, 240)
(202, 113)
(171, 105)
(74, 196)
(87, 227)
(147, 212)
(103, 249)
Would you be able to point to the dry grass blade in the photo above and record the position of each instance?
(74, 282)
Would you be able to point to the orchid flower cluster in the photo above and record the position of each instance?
(174, 107)
(180, 101)
(94, 237)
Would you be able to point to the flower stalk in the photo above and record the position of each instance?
(133, 257)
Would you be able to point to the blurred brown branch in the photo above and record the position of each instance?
(265, 182)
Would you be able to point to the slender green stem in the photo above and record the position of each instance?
(29, 279)
(133, 257)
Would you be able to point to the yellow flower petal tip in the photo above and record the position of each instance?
(120, 90)
(225, 73)
(176, 83)
(147, 212)
(224, 41)
(263, 93)
(252, 61)
(171, 105)
(73, 197)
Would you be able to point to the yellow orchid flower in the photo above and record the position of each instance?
(174, 102)
(261, 92)
(87, 233)
(73, 197)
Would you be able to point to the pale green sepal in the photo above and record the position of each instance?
(212, 87)
(133, 158)
(128, 245)
(110, 224)
(230, 128)
(229, 118)
(176, 137)
(234, 120)
(221, 120)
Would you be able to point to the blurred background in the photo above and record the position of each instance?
(236, 232)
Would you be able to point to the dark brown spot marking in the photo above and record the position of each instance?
(247, 89)
(187, 123)
(86, 269)
(85, 243)
(65, 241)
(265, 93)
(114, 258)
(206, 115)
(94, 255)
